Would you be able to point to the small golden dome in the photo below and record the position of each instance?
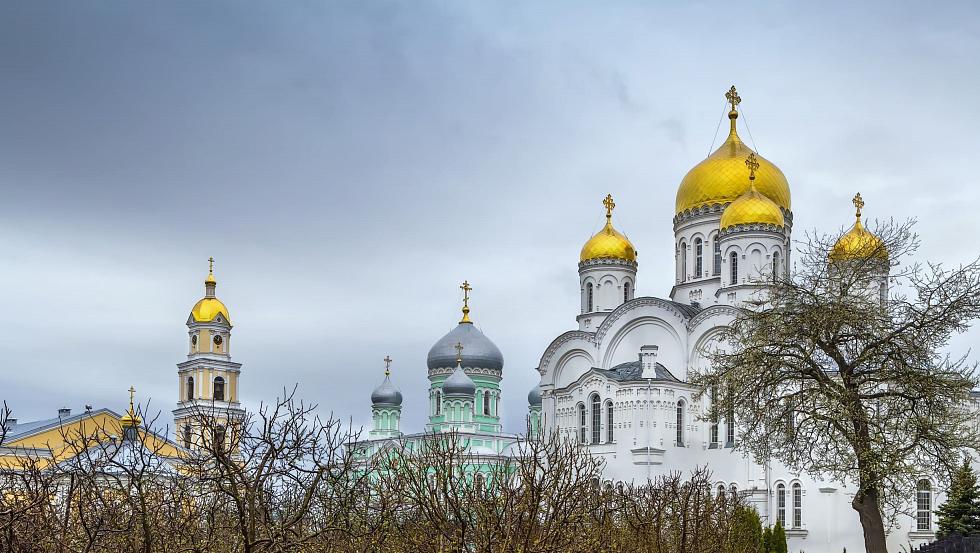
(720, 178)
(209, 307)
(752, 208)
(858, 242)
(608, 243)
(130, 418)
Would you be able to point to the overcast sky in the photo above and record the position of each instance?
(349, 164)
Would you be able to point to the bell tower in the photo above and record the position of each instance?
(208, 408)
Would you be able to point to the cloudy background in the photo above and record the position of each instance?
(349, 164)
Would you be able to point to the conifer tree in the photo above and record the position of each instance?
(960, 514)
(767, 540)
(779, 539)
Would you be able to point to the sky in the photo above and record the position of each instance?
(349, 164)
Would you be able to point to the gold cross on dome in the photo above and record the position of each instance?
(858, 202)
(132, 391)
(609, 204)
(466, 288)
(387, 365)
(752, 163)
(211, 265)
(733, 97)
(459, 352)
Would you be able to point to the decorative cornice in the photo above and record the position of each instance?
(636, 303)
(605, 262)
(701, 211)
(709, 312)
(439, 371)
(561, 340)
(755, 227)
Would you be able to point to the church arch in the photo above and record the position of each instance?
(644, 330)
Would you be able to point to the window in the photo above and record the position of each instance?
(610, 435)
(588, 298)
(680, 423)
(626, 292)
(923, 506)
(775, 265)
(730, 426)
(790, 419)
(733, 489)
(582, 430)
(683, 262)
(486, 402)
(438, 403)
(721, 491)
(713, 438)
(479, 482)
(733, 270)
(698, 263)
(188, 436)
(219, 389)
(781, 504)
(596, 418)
(190, 388)
(717, 247)
(797, 505)
(219, 437)
(883, 294)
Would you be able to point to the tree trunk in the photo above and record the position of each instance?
(866, 504)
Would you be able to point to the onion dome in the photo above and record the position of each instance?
(608, 243)
(386, 393)
(459, 384)
(478, 350)
(209, 307)
(752, 208)
(719, 178)
(534, 396)
(858, 242)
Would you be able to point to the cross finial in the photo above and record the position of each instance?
(387, 365)
(610, 205)
(858, 202)
(211, 265)
(466, 288)
(459, 353)
(132, 392)
(752, 163)
(733, 97)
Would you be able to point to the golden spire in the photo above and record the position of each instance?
(210, 279)
(459, 353)
(387, 365)
(858, 202)
(752, 163)
(466, 288)
(734, 99)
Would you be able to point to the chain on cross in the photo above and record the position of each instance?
(733, 97)
(858, 202)
(752, 163)
(387, 365)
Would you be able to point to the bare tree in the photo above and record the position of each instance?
(829, 374)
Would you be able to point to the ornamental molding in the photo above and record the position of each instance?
(711, 312)
(440, 371)
(636, 303)
(606, 262)
(782, 231)
(559, 342)
(689, 214)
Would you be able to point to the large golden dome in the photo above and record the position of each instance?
(752, 208)
(209, 307)
(858, 242)
(720, 178)
(608, 243)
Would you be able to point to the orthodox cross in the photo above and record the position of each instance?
(610, 205)
(752, 163)
(387, 365)
(132, 391)
(858, 204)
(211, 265)
(733, 97)
(459, 353)
(466, 288)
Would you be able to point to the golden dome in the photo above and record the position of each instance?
(752, 208)
(130, 418)
(858, 242)
(720, 178)
(209, 307)
(608, 243)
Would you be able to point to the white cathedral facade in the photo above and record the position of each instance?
(618, 381)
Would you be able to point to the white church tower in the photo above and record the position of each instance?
(606, 271)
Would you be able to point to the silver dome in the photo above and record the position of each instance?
(459, 384)
(478, 350)
(386, 394)
(534, 396)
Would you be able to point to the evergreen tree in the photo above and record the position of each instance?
(767, 540)
(746, 531)
(960, 514)
(779, 539)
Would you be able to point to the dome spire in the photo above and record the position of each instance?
(130, 419)
(858, 202)
(387, 361)
(734, 99)
(610, 205)
(210, 283)
(466, 288)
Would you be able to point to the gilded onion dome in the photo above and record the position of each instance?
(752, 207)
(209, 307)
(858, 242)
(608, 243)
(719, 179)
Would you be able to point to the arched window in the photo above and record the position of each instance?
(781, 504)
(190, 388)
(775, 265)
(730, 421)
(479, 482)
(582, 428)
(219, 389)
(698, 257)
(610, 434)
(923, 506)
(797, 505)
(733, 270)
(188, 436)
(883, 294)
(717, 247)
(626, 292)
(733, 489)
(680, 423)
(438, 403)
(596, 418)
(588, 298)
(219, 437)
(721, 491)
(683, 262)
(713, 438)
